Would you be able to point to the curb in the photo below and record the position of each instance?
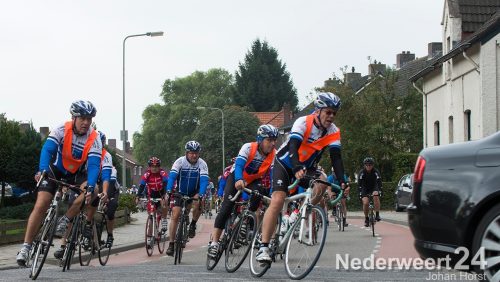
(399, 222)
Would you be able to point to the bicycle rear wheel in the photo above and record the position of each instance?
(303, 251)
(161, 237)
(240, 242)
(149, 239)
(42, 244)
(257, 269)
(103, 250)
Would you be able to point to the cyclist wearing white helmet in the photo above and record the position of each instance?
(73, 151)
(190, 173)
(254, 161)
(299, 156)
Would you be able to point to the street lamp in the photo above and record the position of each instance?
(124, 135)
(222, 113)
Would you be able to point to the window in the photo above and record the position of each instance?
(450, 129)
(436, 133)
(467, 126)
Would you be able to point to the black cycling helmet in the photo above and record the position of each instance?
(368, 160)
(82, 108)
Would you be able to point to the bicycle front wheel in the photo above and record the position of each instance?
(257, 269)
(86, 246)
(304, 250)
(372, 223)
(42, 244)
(104, 250)
(240, 242)
(149, 238)
(179, 238)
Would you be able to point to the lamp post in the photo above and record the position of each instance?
(222, 113)
(124, 135)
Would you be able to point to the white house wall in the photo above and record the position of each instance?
(490, 65)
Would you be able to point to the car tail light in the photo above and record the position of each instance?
(419, 170)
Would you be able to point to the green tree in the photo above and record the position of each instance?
(19, 154)
(168, 126)
(240, 127)
(262, 81)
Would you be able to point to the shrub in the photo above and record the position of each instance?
(18, 212)
(127, 201)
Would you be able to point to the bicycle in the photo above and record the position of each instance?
(74, 239)
(371, 214)
(43, 239)
(238, 233)
(181, 234)
(207, 211)
(293, 243)
(153, 233)
(95, 243)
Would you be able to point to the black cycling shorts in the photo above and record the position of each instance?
(283, 177)
(51, 187)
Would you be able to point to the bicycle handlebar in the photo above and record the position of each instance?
(74, 188)
(251, 192)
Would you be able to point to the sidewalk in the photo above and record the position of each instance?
(127, 237)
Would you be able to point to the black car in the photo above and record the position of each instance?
(402, 195)
(456, 203)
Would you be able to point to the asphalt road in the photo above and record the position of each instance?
(342, 248)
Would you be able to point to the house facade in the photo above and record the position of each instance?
(461, 91)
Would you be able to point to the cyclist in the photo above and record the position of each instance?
(333, 179)
(370, 183)
(299, 156)
(252, 163)
(190, 172)
(103, 183)
(68, 148)
(155, 179)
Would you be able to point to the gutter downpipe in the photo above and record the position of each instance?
(425, 112)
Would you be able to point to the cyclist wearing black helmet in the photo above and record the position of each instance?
(73, 151)
(299, 156)
(190, 173)
(370, 183)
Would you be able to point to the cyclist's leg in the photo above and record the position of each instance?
(110, 214)
(224, 210)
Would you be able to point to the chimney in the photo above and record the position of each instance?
(403, 58)
(434, 49)
(112, 143)
(376, 68)
(352, 76)
(127, 147)
(24, 127)
(44, 132)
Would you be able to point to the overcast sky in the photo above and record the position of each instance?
(55, 52)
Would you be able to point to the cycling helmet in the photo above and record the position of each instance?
(82, 108)
(368, 160)
(266, 131)
(154, 161)
(192, 146)
(103, 138)
(327, 100)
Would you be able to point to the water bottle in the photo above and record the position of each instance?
(284, 224)
(293, 217)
